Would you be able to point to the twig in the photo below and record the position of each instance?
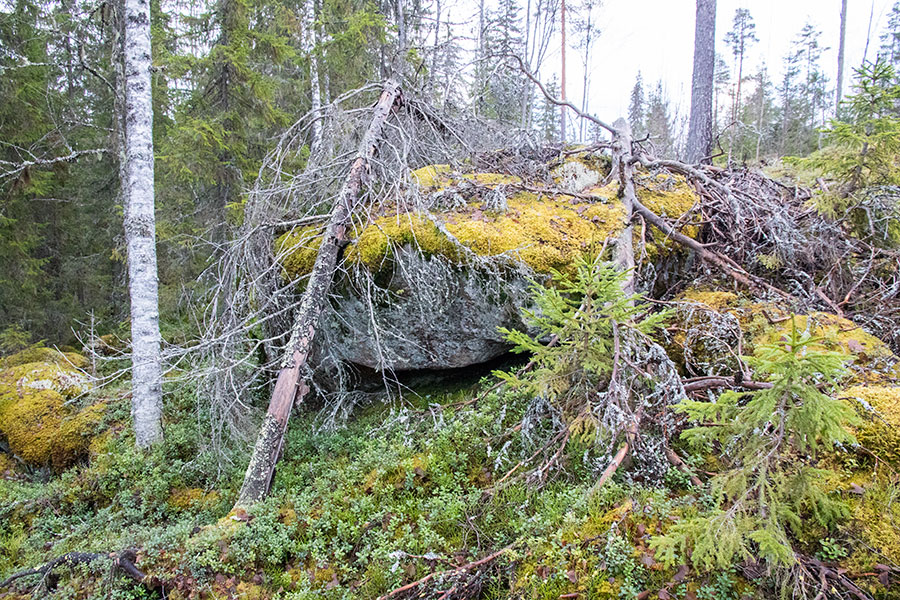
(462, 569)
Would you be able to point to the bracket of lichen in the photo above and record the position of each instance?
(542, 231)
(40, 425)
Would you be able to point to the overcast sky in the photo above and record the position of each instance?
(657, 38)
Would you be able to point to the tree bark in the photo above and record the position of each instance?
(140, 228)
(623, 169)
(562, 78)
(699, 144)
(310, 42)
(258, 477)
(838, 94)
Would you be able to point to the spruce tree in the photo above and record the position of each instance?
(769, 441)
(636, 116)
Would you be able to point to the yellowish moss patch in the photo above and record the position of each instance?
(837, 334)
(431, 176)
(185, 498)
(545, 232)
(671, 197)
(39, 424)
(297, 249)
(713, 299)
(374, 246)
(880, 432)
(876, 517)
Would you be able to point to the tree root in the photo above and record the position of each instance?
(122, 561)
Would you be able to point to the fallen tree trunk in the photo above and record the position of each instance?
(288, 386)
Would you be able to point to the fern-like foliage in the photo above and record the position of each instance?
(770, 439)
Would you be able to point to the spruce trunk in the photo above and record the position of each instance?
(288, 385)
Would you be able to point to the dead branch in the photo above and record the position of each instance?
(444, 574)
(122, 561)
(719, 381)
(258, 477)
(617, 460)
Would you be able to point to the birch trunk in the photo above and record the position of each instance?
(699, 144)
(258, 477)
(309, 44)
(140, 228)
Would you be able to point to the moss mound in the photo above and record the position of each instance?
(37, 418)
(541, 230)
(700, 310)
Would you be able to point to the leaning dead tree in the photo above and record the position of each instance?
(288, 386)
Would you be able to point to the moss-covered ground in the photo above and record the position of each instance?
(403, 490)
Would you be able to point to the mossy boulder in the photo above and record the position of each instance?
(38, 414)
(447, 278)
(710, 327)
(879, 433)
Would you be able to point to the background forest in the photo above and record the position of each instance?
(228, 76)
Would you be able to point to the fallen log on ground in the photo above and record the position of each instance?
(288, 386)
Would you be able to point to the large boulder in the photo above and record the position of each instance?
(40, 416)
(428, 288)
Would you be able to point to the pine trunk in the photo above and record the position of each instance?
(562, 82)
(288, 386)
(140, 228)
(699, 144)
(840, 70)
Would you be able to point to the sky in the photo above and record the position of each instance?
(656, 37)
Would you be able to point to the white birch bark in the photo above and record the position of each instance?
(309, 43)
(140, 228)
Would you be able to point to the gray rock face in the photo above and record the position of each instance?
(429, 314)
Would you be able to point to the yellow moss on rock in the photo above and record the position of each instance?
(431, 176)
(837, 334)
(880, 431)
(541, 230)
(716, 300)
(39, 424)
(671, 197)
(374, 246)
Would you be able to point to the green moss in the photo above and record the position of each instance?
(42, 428)
(297, 249)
